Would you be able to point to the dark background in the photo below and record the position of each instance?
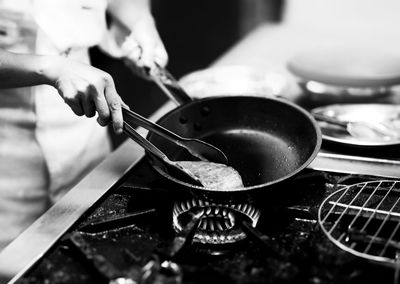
(195, 33)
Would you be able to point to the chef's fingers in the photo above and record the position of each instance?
(76, 107)
(147, 45)
(101, 106)
(124, 104)
(114, 105)
(144, 51)
(161, 55)
(138, 71)
(70, 95)
(88, 106)
(86, 100)
(131, 49)
(132, 58)
(134, 54)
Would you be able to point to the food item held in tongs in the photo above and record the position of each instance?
(215, 176)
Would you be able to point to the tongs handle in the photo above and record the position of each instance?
(197, 148)
(153, 150)
(132, 133)
(169, 85)
(151, 126)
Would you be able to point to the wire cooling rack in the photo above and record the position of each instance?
(364, 219)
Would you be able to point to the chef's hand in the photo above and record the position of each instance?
(143, 48)
(86, 90)
(133, 37)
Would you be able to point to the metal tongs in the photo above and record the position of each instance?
(197, 148)
(168, 84)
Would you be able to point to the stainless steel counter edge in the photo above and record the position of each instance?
(356, 165)
(25, 250)
(35, 241)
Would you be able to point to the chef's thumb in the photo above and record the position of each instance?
(161, 55)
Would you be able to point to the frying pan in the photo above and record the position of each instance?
(268, 140)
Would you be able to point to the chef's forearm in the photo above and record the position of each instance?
(22, 70)
(129, 12)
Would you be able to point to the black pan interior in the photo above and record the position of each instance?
(265, 139)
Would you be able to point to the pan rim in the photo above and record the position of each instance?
(306, 114)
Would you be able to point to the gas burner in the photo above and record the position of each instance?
(219, 222)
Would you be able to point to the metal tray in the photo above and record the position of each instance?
(386, 115)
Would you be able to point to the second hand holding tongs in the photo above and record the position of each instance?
(197, 148)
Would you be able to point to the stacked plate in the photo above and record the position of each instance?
(360, 124)
(346, 74)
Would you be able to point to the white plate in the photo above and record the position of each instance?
(347, 66)
(386, 114)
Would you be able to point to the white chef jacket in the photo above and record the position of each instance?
(44, 147)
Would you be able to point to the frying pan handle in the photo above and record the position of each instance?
(169, 85)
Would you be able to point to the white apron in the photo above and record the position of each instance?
(44, 147)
